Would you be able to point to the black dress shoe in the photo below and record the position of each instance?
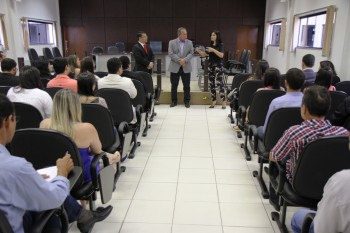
(187, 105)
(173, 104)
(99, 215)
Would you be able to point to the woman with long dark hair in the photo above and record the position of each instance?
(216, 55)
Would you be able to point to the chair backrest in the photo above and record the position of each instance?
(42, 147)
(97, 50)
(119, 103)
(5, 226)
(343, 86)
(337, 97)
(101, 74)
(101, 118)
(113, 50)
(243, 55)
(283, 81)
(319, 160)
(44, 81)
(56, 52)
(279, 121)
(52, 90)
(247, 58)
(48, 54)
(260, 105)
(33, 55)
(148, 81)
(120, 46)
(347, 123)
(140, 98)
(28, 116)
(247, 90)
(4, 89)
(238, 79)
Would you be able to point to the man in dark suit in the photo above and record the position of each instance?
(307, 63)
(143, 54)
(9, 70)
(143, 77)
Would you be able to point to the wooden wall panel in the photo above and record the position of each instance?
(135, 25)
(115, 8)
(229, 9)
(188, 23)
(116, 30)
(207, 8)
(184, 8)
(161, 8)
(93, 8)
(137, 8)
(95, 30)
(203, 29)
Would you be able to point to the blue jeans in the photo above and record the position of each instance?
(298, 219)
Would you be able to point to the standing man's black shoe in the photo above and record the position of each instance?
(187, 105)
(173, 104)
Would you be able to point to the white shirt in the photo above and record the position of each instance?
(118, 82)
(35, 97)
(334, 209)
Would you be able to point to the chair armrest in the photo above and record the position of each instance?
(44, 217)
(254, 132)
(282, 179)
(123, 128)
(309, 218)
(93, 167)
(138, 111)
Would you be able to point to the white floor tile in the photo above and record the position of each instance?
(156, 191)
(160, 175)
(230, 163)
(196, 229)
(197, 176)
(124, 190)
(238, 193)
(131, 175)
(145, 228)
(196, 163)
(137, 161)
(197, 213)
(197, 192)
(105, 227)
(234, 177)
(163, 162)
(247, 230)
(120, 207)
(150, 212)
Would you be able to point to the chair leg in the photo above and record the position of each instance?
(134, 147)
(92, 199)
(120, 170)
(246, 149)
(259, 177)
(280, 219)
(144, 133)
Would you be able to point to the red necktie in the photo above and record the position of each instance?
(145, 48)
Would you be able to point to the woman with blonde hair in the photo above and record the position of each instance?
(74, 65)
(66, 118)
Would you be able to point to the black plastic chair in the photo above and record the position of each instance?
(4, 89)
(343, 86)
(337, 97)
(27, 115)
(283, 81)
(44, 81)
(120, 46)
(256, 116)
(120, 105)
(48, 54)
(101, 74)
(113, 50)
(101, 118)
(241, 66)
(309, 218)
(143, 99)
(326, 155)
(5, 226)
(279, 121)
(97, 50)
(33, 55)
(52, 90)
(42, 147)
(56, 52)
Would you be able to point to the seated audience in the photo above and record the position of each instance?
(66, 118)
(307, 63)
(271, 80)
(315, 106)
(62, 80)
(9, 70)
(144, 77)
(295, 79)
(27, 192)
(114, 80)
(332, 210)
(2, 57)
(87, 86)
(342, 113)
(74, 65)
(324, 78)
(44, 68)
(87, 64)
(30, 91)
(329, 64)
(260, 69)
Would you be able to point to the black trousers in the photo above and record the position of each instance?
(185, 78)
(216, 80)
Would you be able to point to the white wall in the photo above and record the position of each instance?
(340, 53)
(36, 9)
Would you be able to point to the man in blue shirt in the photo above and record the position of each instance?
(23, 191)
(295, 79)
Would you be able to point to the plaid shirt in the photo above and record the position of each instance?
(294, 139)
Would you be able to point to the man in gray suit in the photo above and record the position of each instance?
(180, 51)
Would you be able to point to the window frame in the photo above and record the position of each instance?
(46, 22)
(3, 36)
(270, 32)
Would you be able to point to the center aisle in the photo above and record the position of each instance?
(188, 176)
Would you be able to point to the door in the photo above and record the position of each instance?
(247, 38)
(74, 39)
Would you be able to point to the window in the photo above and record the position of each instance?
(3, 42)
(311, 30)
(275, 33)
(41, 33)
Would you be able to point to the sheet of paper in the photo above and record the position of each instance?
(50, 171)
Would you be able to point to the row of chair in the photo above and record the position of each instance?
(47, 54)
(119, 47)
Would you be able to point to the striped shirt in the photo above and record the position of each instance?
(290, 146)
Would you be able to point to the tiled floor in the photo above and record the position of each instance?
(189, 176)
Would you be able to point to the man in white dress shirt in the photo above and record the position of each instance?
(114, 80)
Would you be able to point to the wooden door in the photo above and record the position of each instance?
(74, 40)
(247, 38)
